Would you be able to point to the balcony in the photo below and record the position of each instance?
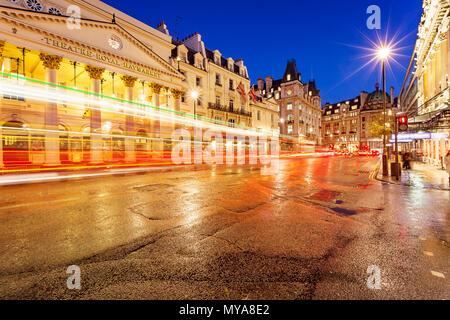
(215, 106)
(290, 122)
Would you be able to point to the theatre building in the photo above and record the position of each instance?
(78, 90)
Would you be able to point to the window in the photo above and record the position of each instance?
(217, 79)
(218, 101)
(289, 129)
(288, 77)
(231, 105)
(300, 107)
(183, 98)
(231, 84)
(199, 101)
(198, 82)
(289, 106)
(258, 115)
(277, 96)
(242, 109)
(289, 117)
(231, 121)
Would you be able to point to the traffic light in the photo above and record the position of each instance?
(402, 123)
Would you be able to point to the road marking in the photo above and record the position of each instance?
(437, 274)
(428, 253)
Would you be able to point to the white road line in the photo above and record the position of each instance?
(437, 274)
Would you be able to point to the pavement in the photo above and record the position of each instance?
(316, 229)
(421, 175)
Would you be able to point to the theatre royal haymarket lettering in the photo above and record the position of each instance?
(99, 57)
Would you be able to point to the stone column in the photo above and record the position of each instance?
(2, 45)
(157, 146)
(52, 157)
(96, 73)
(130, 143)
(177, 94)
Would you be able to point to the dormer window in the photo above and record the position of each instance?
(288, 77)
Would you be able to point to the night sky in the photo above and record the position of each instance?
(324, 36)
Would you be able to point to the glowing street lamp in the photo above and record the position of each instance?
(178, 60)
(194, 96)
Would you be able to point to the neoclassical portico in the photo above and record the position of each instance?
(137, 75)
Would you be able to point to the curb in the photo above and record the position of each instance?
(375, 177)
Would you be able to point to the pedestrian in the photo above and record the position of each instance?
(447, 164)
(407, 161)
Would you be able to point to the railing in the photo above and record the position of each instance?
(218, 107)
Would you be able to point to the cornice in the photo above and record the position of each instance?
(15, 16)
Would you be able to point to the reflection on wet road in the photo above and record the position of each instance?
(308, 232)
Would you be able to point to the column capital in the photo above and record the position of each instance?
(129, 81)
(95, 73)
(156, 88)
(177, 93)
(50, 61)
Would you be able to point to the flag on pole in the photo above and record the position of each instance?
(242, 91)
(252, 94)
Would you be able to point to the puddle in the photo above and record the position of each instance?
(326, 195)
(344, 212)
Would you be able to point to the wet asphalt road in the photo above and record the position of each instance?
(308, 232)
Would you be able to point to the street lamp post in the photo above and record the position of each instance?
(385, 160)
(194, 95)
(383, 55)
(178, 60)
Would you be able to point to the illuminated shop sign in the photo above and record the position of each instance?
(100, 57)
(420, 136)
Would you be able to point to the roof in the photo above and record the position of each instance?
(375, 99)
(291, 69)
(351, 103)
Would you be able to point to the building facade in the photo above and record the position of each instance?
(426, 92)
(347, 124)
(222, 84)
(299, 104)
(82, 82)
(341, 123)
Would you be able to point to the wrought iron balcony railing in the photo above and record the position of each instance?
(215, 106)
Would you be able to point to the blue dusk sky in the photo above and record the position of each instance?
(326, 37)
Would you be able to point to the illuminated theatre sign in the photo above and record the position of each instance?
(100, 57)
